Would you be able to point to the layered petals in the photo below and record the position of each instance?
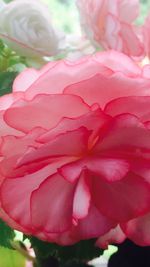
(75, 150)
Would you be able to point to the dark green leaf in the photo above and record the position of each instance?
(43, 249)
(82, 251)
(6, 81)
(6, 235)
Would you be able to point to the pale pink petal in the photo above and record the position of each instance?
(82, 197)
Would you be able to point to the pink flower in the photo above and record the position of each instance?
(74, 148)
(111, 24)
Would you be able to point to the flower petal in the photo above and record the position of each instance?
(51, 205)
(114, 236)
(126, 134)
(137, 105)
(82, 197)
(19, 208)
(138, 230)
(133, 193)
(106, 168)
(58, 147)
(101, 88)
(43, 111)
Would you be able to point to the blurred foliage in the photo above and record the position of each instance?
(6, 81)
(11, 258)
(144, 9)
(9, 60)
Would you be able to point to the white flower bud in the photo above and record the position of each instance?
(26, 27)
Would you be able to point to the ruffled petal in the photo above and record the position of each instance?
(55, 78)
(102, 89)
(43, 111)
(137, 105)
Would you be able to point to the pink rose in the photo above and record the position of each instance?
(74, 148)
(111, 24)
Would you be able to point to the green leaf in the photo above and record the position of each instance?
(6, 81)
(6, 235)
(82, 251)
(11, 258)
